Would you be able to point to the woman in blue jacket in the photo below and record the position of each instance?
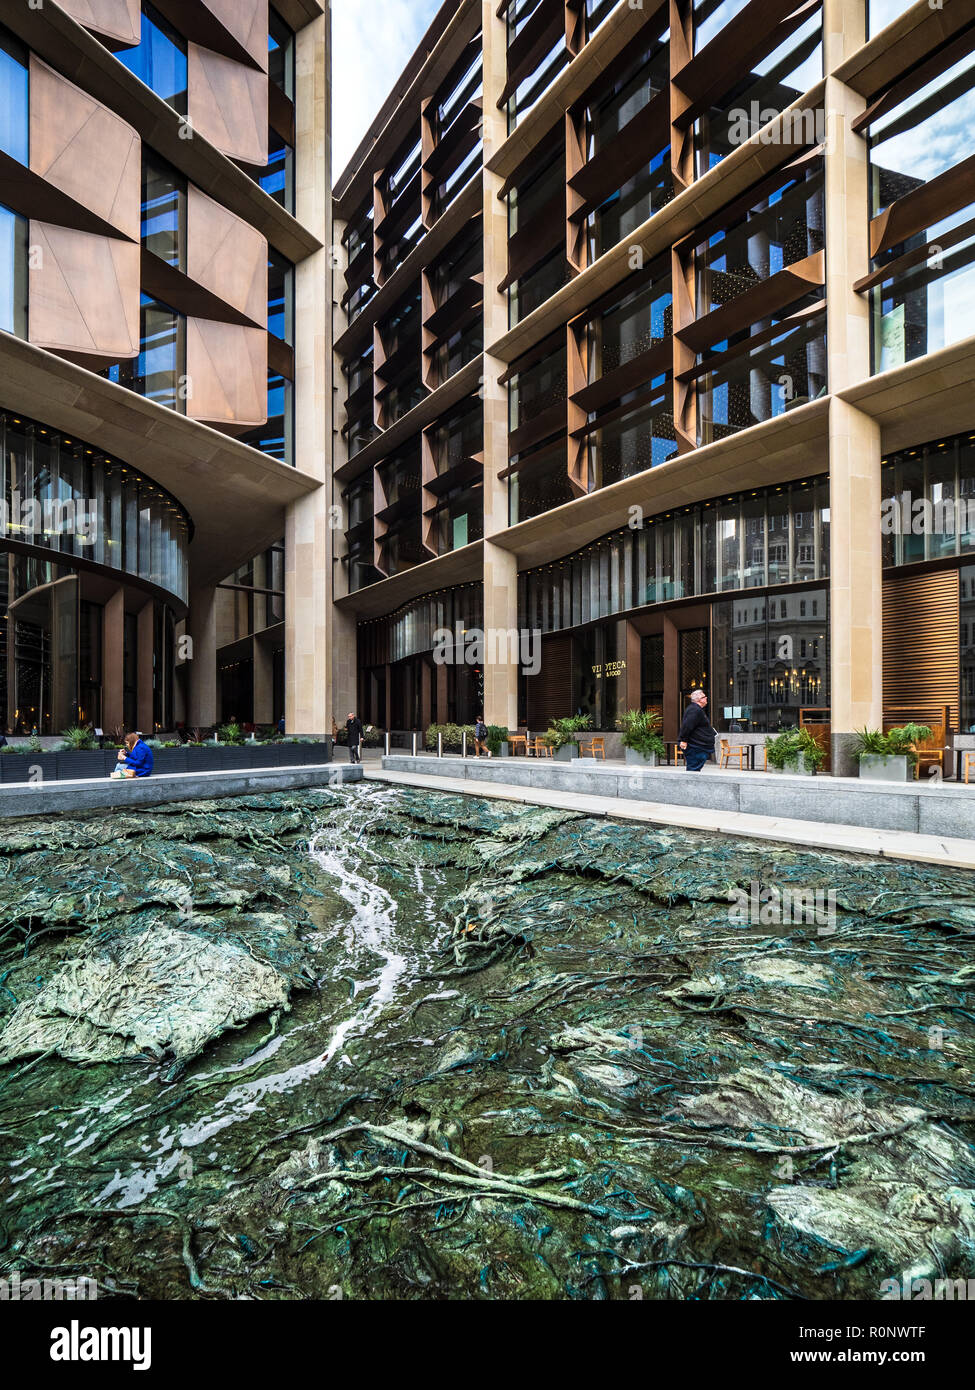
(135, 759)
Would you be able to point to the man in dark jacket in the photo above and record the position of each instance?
(353, 730)
(696, 737)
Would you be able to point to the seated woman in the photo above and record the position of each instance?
(135, 759)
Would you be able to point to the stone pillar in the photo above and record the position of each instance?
(144, 675)
(500, 617)
(500, 566)
(113, 661)
(856, 573)
(856, 580)
(202, 628)
(264, 711)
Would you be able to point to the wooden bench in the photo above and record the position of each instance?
(516, 742)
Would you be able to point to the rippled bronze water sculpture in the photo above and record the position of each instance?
(390, 1043)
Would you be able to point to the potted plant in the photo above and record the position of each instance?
(497, 741)
(560, 736)
(795, 751)
(78, 755)
(641, 737)
(890, 756)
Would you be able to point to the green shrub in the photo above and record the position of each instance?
(784, 749)
(496, 735)
(77, 739)
(452, 735)
(563, 731)
(895, 743)
(231, 733)
(641, 732)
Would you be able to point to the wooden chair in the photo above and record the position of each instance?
(729, 753)
(968, 764)
(542, 749)
(597, 744)
(517, 742)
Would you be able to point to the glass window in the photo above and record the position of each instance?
(158, 371)
(280, 53)
(163, 210)
(278, 179)
(160, 58)
(13, 273)
(276, 436)
(280, 297)
(14, 99)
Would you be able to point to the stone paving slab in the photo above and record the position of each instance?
(890, 844)
(938, 809)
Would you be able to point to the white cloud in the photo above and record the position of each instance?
(372, 41)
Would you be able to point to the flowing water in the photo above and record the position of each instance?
(390, 1043)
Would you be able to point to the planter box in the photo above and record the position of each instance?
(798, 767)
(874, 767)
(635, 759)
(17, 767)
(169, 760)
(505, 750)
(76, 766)
(566, 753)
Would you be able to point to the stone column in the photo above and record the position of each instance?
(856, 573)
(500, 566)
(202, 627)
(306, 541)
(264, 711)
(144, 690)
(113, 661)
(856, 580)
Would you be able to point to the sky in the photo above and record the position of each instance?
(372, 41)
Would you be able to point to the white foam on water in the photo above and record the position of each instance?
(341, 851)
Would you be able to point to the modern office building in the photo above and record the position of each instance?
(165, 365)
(654, 331)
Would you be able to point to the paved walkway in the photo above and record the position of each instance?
(888, 844)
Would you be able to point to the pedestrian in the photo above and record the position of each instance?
(135, 759)
(480, 737)
(696, 737)
(281, 725)
(353, 733)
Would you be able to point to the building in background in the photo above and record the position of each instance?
(164, 362)
(649, 318)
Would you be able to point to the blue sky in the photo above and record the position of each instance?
(371, 43)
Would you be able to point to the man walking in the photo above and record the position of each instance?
(480, 737)
(353, 732)
(696, 737)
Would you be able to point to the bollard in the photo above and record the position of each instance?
(414, 743)
(440, 745)
(387, 743)
(463, 744)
